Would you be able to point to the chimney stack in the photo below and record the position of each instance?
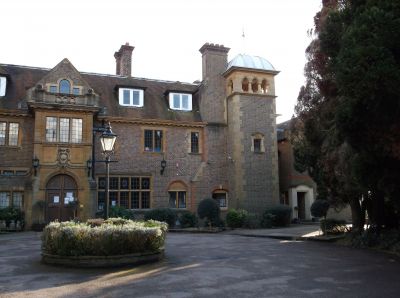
(123, 60)
(215, 59)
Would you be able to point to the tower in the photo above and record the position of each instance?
(251, 135)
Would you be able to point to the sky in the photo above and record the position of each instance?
(166, 34)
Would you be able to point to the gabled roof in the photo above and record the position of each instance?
(21, 78)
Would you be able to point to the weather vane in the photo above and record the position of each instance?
(243, 40)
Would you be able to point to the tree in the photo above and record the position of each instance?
(348, 130)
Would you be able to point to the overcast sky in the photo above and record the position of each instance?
(167, 35)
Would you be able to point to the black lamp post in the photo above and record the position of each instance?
(107, 140)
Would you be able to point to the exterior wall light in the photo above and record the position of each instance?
(35, 164)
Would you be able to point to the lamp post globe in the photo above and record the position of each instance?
(107, 140)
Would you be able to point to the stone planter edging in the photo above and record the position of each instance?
(103, 261)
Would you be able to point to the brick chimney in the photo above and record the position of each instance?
(123, 60)
(215, 59)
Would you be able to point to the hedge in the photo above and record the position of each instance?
(115, 236)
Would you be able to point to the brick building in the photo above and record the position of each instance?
(217, 137)
(296, 189)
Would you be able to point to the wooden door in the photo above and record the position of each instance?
(61, 191)
(301, 205)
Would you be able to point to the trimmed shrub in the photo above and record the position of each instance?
(333, 226)
(167, 215)
(236, 218)
(117, 211)
(209, 209)
(281, 215)
(267, 220)
(188, 219)
(81, 239)
(319, 208)
(11, 214)
(252, 221)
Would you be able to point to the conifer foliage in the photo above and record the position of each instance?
(347, 133)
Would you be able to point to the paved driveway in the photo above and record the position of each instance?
(207, 265)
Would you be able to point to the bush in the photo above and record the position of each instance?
(209, 209)
(81, 239)
(117, 211)
(167, 215)
(252, 221)
(188, 219)
(333, 226)
(267, 220)
(11, 214)
(280, 215)
(236, 218)
(319, 208)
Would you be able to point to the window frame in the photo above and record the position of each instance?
(199, 143)
(3, 86)
(131, 91)
(219, 192)
(180, 108)
(255, 137)
(72, 133)
(7, 134)
(143, 190)
(69, 86)
(153, 149)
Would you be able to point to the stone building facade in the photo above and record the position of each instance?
(217, 137)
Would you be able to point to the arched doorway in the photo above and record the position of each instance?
(61, 198)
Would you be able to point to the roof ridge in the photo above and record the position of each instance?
(103, 74)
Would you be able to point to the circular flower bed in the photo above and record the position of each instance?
(99, 243)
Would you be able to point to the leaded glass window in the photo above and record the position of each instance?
(51, 129)
(65, 87)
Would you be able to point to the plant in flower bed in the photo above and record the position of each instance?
(115, 236)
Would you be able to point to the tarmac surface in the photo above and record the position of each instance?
(209, 265)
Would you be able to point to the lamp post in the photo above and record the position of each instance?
(107, 140)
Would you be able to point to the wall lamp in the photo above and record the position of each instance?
(163, 166)
(35, 164)
(89, 163)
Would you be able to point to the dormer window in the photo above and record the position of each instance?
(130, 97)
(65, 87)
(180, 101)
(3, 83)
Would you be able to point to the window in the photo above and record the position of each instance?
(60, 130)
(9, 134)
(64, 130)
(180, 101)
(3, 131)
(221, 196)
(76, 131)
(177, 195)
(129, 192)
(53, 89)
(76, 91)
(245, 85)
(153, 140)
(131, 97)
(4, 199)
(257, 143)
(194, 142)
(177, 199)
(3, 84)
(18, 200)
(254, 85)
(65, 87)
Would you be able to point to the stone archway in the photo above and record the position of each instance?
(61, 198)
